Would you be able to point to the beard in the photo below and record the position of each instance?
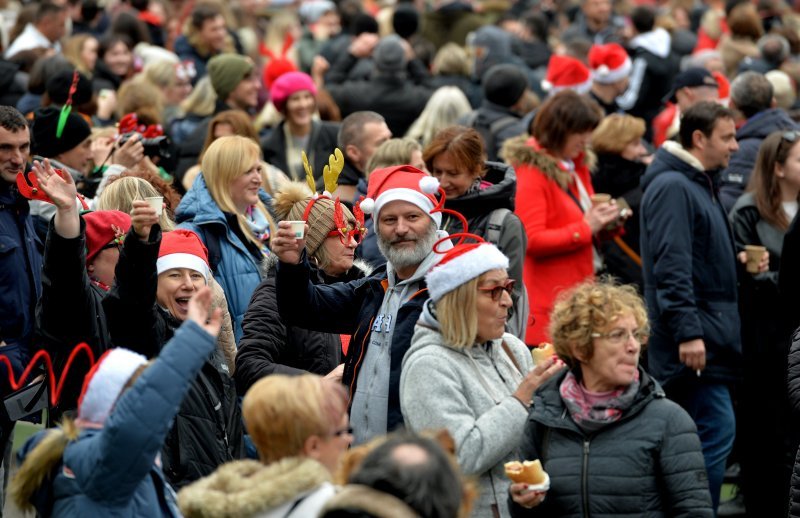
(404, 257)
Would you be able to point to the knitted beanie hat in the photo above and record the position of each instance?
(609, 63)
(58, 88)
(182, 249)
(389, 55)
(104, 227)
(504, 85)
(567, 73)
(405, 20)
(401, 183)
(226, 71)
(290, 204)
(44, 141)
(104, 382)
(288, 84)
(461, 264)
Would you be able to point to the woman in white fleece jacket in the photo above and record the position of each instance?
(464, 373)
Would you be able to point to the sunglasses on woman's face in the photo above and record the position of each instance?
(497, 291)
(345, 235)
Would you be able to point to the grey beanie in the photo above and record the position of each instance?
(389, 55)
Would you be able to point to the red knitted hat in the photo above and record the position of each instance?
(567, 73)
(402, 183)
(461, 264)
(182, 249)
(609, 63)
(104, 227)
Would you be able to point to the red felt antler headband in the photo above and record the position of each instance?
(29, 188)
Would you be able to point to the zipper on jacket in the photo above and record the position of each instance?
(585, 478)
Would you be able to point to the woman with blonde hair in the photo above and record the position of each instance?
(452, 67)
(81, 51)
(445, 107)
(175, 81)
(621, 162)
(195, 108)
(227, 208)
(121, 191)
(604, 419)
(300, 428)
(478, 380)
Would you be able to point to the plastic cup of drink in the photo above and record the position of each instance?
(157, 202)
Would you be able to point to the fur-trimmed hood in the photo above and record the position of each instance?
(355, 498)
(360, 268)
(248, 488)
(524, 150)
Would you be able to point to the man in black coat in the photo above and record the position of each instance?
(689, 264)
(753, 95)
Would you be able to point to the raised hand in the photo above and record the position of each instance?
(143, 217)
(60, 189)
(200, 312)
(285, 245)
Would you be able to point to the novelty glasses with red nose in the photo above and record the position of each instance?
(497, 291)
(356, 230)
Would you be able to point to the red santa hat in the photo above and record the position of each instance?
(104, 382)
(461, 264)
(104, 228)
(609, 63)
(567, 73)
(402, 183)
(182, 249)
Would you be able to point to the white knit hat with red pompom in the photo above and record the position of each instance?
(567, 73)
(461, 264)
(182, 249)
(402, 183)
(609, 63)
(103, 384)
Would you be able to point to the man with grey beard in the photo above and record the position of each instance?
(379, 311)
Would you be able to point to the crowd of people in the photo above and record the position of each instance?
(314, 252)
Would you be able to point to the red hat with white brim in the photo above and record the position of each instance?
(461, 264)
(609, 63)
(567, 73)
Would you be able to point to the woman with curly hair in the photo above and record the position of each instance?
(604, 431)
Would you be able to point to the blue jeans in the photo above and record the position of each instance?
(710, 406)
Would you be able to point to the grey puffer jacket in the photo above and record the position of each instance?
(647, 464)
(468, 391)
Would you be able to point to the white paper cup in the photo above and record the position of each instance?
(157, 202)
(298, 229)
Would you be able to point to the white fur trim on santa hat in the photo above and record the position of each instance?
(180, 260)
(447, 276)
(605, 75)
(410, 195)
(115, 369)
(582, 88)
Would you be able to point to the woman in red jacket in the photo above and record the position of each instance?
(554, 202)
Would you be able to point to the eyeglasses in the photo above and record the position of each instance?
(497, 291)
(621, 336)
(343, 431)
(346, 234)
(790, 136)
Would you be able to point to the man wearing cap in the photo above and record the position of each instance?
(753, 95)
(652, 68)
(690, 284)
(236, 83)
(380, 311)
(690, 87)
(20, 261)
(391, 92)
(503, 91)
(611, 68)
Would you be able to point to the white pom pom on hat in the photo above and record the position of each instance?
(401, 183)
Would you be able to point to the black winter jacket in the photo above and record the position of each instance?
(69, 312)
(321, 144)
(495, 123)
(735, 177)
(349, 308)
(789, 276)
(689, 264)
(208, 429)
(268, 346)
(647, 464)
(620, 178)
(794, 401)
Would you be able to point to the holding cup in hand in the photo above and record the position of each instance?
(754, 255)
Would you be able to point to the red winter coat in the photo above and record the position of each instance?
(559, 253)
